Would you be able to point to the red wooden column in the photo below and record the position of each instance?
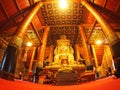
(95, 57)
(32, 59)
(51, 54)
(41, 55)
(43, 47)
(85, 46)
(9, 59)
(77, 53)
(111, 36)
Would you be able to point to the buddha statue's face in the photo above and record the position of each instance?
(63, 37)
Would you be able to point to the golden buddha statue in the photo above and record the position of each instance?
(63, 51)
(64, 58)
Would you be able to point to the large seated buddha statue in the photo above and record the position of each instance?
(64, 57)
(64, 67)
(63, 52)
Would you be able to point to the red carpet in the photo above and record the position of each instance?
(102, 84)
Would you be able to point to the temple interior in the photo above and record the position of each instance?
(44, 43)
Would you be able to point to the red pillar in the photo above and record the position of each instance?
(111, 36)
(43, 47)
(9, 59)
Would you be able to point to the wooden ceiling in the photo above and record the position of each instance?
(60, 21)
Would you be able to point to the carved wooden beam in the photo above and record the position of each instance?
(91, 31)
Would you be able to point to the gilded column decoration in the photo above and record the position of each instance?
(87, 56)
(32, 59)
(51, 54)
(25, 54)
(77, 53)
(43, 47)
(95, 57)
(16, 41)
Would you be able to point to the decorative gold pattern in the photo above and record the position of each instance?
(16, 41)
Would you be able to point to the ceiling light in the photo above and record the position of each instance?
(98, 42)
(29, 44)
(63, 4)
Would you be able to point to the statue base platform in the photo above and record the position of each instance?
(6, 75)
(66, 77)
(79, 68)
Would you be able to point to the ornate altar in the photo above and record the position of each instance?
(64, 59)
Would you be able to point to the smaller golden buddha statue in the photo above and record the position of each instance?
(65, 65)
